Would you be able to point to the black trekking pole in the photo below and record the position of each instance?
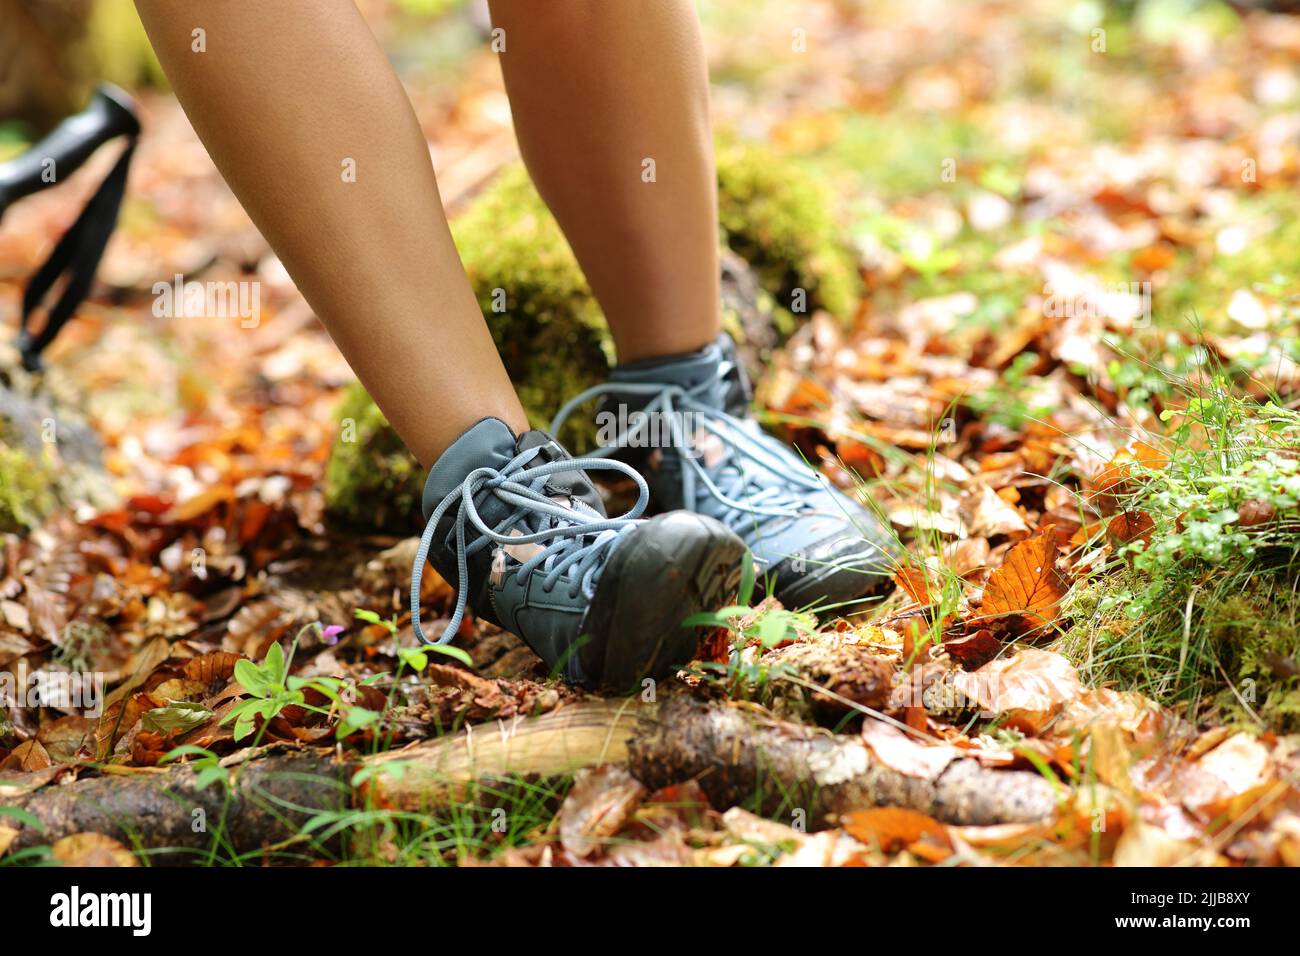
(110, 114)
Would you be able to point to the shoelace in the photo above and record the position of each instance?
(567, 530)
(736, 487)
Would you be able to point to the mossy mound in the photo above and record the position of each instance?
(539, 308)
(371, 480)
(780, 219)
(49, 456)
(1238, 660)
(26, 495)
(550, 331)
(1260, 647)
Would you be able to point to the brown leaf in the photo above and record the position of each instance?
(1120, 478)
(906, 754)
(12, 647)
(200, 504)
(7, 836)
(1129, 526)
(893, 828)
(1227, 779)
(28, 756)
(213, 669)
(987, 514)
(65, 738)
(1028, 689)
(1254, 512)
(1027, 585)
(92, 849)
(596, 808)
(919, 583)
(967, 556)
(148, 748)
(974, 651)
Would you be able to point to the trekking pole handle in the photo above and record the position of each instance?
(110, 113)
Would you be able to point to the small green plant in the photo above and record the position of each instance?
(206, 764)
(769, 627)
(1178, 613)
(764, 626)
(416, 658)
(267, 685)
(272, 688)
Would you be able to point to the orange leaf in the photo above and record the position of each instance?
(199, 504)
(1129, 526)
(211, 669)
(918, 583)
(1027, 583)
(1254, 512)
(974, 650)
(892, 828)
(92, 849)
(1117, 477)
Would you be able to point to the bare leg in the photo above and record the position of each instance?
(597, 87)
(287, 96)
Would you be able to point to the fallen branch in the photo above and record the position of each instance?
(732, 751)
(737, 754)
(269, 800)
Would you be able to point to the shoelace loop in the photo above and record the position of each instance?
(567, 530)
(735, 489)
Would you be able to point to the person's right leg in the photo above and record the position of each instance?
(288, 96)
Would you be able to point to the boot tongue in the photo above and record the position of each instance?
(566, 484)
(730, 392)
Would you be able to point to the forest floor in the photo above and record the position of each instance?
(1069, 386)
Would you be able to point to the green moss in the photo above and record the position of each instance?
(779, 218)
(26, 490)
(119, 47)
(546, 325)
(371, 480)
(1258, 641)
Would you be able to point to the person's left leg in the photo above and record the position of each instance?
(610, 103)
(611, 107)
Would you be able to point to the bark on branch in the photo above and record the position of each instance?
(733, 751)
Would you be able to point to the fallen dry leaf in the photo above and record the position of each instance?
(7, 837)
(919, 582)
(986, 514)
(1027, 689)
(600, 802)
(1227, 779)
(1129, 526)
(903, 752)
(1027, 585)
(92, 850)
(894, 828)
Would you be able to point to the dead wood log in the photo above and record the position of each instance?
(269, 800)
(734, 753)
(272, 796)
(554, 744)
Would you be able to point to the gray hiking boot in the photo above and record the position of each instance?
(684, 422)
(516, 525)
